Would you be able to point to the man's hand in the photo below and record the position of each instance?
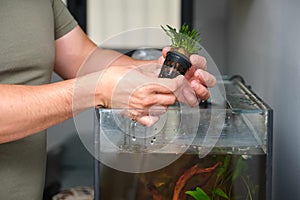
(146, 97)
(200, 80)
(136, 87)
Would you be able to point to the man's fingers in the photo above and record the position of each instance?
(184, 92)
(165, 99)
(147, 120)
(205, 78)
(141, 102)
(190, 98)
(198, 61)
(200, 90)
(165, 50)
(165, 85)
(147, 117)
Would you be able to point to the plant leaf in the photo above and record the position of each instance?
(186, 39)
(238, 169)
(224, 166)
(198, 194)
(220, 193)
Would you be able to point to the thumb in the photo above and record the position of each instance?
(165, 50)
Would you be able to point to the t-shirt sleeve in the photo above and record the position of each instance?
(64, 22)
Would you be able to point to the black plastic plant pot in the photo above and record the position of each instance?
(175, 64)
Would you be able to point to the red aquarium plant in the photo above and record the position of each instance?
(184, 43)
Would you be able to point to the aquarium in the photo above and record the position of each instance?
(222, 149)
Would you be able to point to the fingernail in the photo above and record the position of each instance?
(195, 84)
(200, 73)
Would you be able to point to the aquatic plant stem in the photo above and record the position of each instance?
(155, 193)
(249, 191)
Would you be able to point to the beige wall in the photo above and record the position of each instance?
(107, 18)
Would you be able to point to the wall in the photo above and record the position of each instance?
(211, 18)
(264, 47)
(106, 18)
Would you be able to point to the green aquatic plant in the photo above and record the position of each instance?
(184, 41)
(198, 194)
(228, 172)
(217, 191)
(228, 177)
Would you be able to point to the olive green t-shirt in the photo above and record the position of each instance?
(28, 30)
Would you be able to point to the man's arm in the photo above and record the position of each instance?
(73, 49)
(25, 110)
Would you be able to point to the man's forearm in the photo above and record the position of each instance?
(25, 110)
(100, 59)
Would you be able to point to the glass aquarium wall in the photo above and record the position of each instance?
(218, 150)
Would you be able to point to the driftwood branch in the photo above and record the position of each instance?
(182, 181)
